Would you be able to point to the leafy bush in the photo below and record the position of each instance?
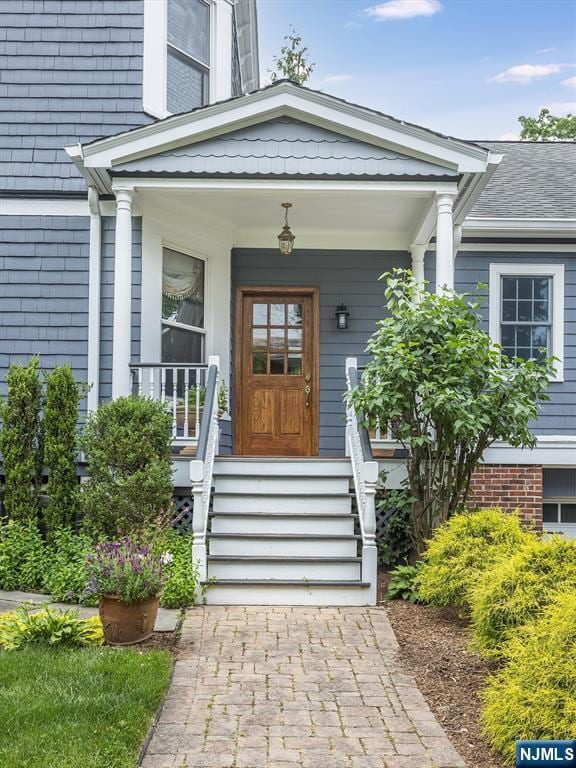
(66, 579)
(127, 445)
(534, 696)
(518, 589)
(403, 584)
(21, 441)
(63, 395)
(462, 549)
(182, 572)
(128, 570)
(49, 627)
(23, 558)
(397, 542)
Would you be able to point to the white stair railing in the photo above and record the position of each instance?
(181, 386)
(365, 473)
(202, 467)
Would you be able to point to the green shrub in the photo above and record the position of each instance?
(396, 542)
(66, 579)
(534, 696)
(403, 584)
(23, 558)
(180, 589)
(48, 627)
(21, 441)
(462, 549)
(63, 395)
(127, 445)
(518, 589)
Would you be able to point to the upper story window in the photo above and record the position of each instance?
(527, 311)
(183, 330)
(188, 52)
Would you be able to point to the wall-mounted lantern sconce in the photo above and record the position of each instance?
(342, 316)
(286, 238)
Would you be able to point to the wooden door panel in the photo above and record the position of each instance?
(277, 371)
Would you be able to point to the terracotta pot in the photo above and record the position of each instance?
(125, 624)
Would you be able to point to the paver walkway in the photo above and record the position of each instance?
(283, 687)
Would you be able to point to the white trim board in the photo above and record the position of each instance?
(13, 206)
(556, 272)
(520, 227)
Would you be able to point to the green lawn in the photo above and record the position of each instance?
(88, 708)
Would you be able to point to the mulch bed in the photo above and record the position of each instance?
(159, 641)
(434, 650)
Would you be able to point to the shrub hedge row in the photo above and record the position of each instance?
(520, 594)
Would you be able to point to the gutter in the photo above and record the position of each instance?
(94, 279)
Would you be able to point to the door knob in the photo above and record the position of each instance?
(308, 377)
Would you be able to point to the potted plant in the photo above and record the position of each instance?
(128, 579)
(194, 394)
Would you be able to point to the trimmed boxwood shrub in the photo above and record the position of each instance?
(534, 696)
(462, 549)
(127, 446)
(519, 589)
(23, 556)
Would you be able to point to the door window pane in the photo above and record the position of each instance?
(259, 314)
(277, 342)
(277, 314)
(294, 339)
(276, 364)
(294, 314)
(259, 339)
(294, 365)
(259, 362)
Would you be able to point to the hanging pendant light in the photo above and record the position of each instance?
(286, 238)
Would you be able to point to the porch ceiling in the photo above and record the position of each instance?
(328, 219)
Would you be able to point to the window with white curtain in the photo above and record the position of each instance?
(183, 329)
(188, 52)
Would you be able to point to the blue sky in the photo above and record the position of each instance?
(467, 68)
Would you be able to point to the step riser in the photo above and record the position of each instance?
(283, 547)
(296, 505)
(282, 485)
(268, 524)
(290, 570)
(285, 468)
(271, 595)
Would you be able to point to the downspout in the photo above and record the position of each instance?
(94, 299)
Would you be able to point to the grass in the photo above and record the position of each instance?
(85, 708)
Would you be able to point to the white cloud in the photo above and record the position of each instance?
(392, 10)
(525, 73)
(337, 79)
(545, 50)
(509, 137)
(571, 82)
(352, 25)
(561, 108)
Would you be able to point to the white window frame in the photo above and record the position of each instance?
(155, 67)
(553, 271)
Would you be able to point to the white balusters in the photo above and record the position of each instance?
(174, 401)
(186, 399)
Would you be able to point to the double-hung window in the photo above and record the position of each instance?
(188, 52)
(183, 329)
(527, 311)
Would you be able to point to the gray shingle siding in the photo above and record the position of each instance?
(342, 276)
(44, 291)
(558, 416)
(70, 72)
(107, 299)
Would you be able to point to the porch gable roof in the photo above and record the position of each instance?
(284, 147)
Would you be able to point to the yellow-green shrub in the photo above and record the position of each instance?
(517, 590)
(462, 549)
(48, 627)
(534, 696)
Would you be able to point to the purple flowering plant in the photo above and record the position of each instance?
(126, 569)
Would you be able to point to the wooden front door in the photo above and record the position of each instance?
(277, 372)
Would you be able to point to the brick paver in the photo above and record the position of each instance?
(283, 687)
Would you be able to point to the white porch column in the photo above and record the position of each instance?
(444, 243)
(94, 277)
(121, 336)
(418, 251)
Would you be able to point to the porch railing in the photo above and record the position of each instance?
(202, 467)
(365, 474)
(182, 386)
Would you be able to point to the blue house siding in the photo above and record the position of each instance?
(558, 417)
(69, 72)
(107, 299)
(349, 277)
(44, 291)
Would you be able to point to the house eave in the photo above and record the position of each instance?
(480, 226)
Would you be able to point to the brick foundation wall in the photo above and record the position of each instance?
(510, 487)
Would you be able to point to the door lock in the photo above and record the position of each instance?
(307, 390)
